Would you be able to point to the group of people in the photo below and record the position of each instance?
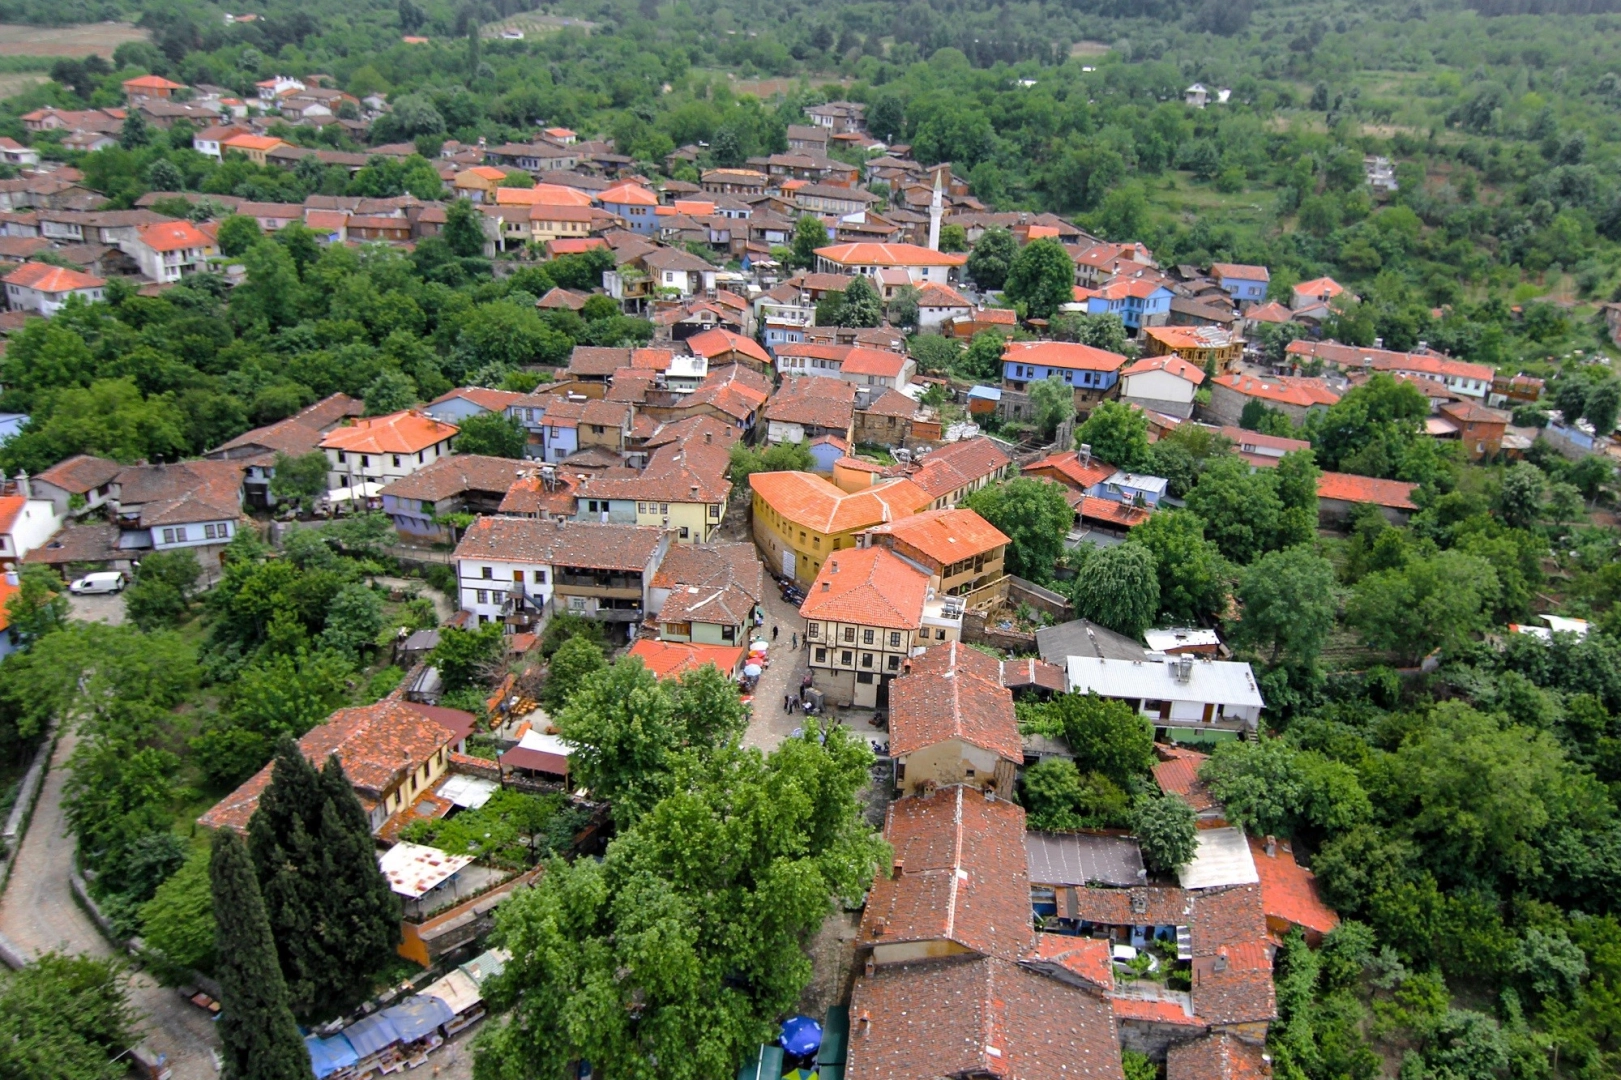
(793, 638)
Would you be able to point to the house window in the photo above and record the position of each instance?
(894, 663)
(846, 657)
(517, 576)
(866, 659)
(489, 573)
(816, 541)
(813, 630)
(867, 637)
(685, 534)
(540, 577)
(483, 596)
(208, 532)
(864, 678)
(714, 511)
(939, 635)
(821, 656)
(365, 461)
(849, 633)
(396, 461)
(895, 639)
(342, 457)
(664, 508)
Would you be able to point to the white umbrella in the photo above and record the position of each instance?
(759, 646)
(752, 671)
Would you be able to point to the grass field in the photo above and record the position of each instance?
(533, 23)
(98, 38)
(14, 84)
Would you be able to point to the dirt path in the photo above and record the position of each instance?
(38, 914)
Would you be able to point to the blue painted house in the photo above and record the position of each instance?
(1093, 373)
(1125, 487)
(636, 205)
(1137, 302)
(1245, 284)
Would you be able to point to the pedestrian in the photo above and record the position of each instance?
(785, 703)
(793, 640)
(775, 630)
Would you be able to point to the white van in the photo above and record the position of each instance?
(110, 582)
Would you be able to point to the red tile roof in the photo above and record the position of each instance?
(1072, 470)
(962, 875)
(953, 692)
(42, 277)
(1177, 773)
(1346, 487)
(378, 745)
(406, 432)
(1218, 1056)
(1068, 355)
(529, 496)
(1085, 958)
(1153, 1012)
(80, 473)
(676, 473)
(1282, 390)
(878, 362)
(977, 1017)
(1177, 366)
(956, 465)
(1115, 513)
(1240, 271)
(812, 502)
(945, 536)
(173, 236)
(560, 543)
(868, 587)
(482, 396)
(1289, 891)
(673, 659)
(458, 474)
(1269, 312)
(712, 343)
(814, 400)
(888, 255)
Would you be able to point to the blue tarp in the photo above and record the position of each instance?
(418, 1016)
(371, 1034)
(327, 1056)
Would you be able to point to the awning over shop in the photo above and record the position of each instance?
(417, 1016)
(371, 1034)
(327, 1056)
(457, 990)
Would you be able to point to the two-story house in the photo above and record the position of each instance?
(1162, 384)
(708, 594)
(1093, 373)
(799, 519)
(1186, 694)
(919, 265)
(951, 721)
(170, 251)
(189, 504)
(633, 203)
(518, 570)
(1245, 284)
(683, 490)
(77, 485)
(865, 613)
(297, 435)
(854, 364)
(419, 503)
(964, 554)
(806, 409)
(43, 288)
(390, 752)
(454, 406)
(1293, 396)
(1137, 302)
(382, 449)
(25, 524)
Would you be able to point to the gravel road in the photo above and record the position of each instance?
(39, 914)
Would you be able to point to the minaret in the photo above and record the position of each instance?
(935, 211)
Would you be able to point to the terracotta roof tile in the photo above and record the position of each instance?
(1068, 355)
(80, 473)
(1280, 389)
(1177, 366)
(378, 745)
(673, 659)
(891, 403)
(945, 536)
(963, 875)
(1346, 487)
(697, 428)
(182, 493)
(1240, 272)
(814, 503)
(458, 474)
(686, 473)
(483, 396)
(888, 255)
(560, 543)
(1177, 773)
(822, 402)
(956, 465)
(712, 343)
(981, 1017)
(953, 692)
(42, 277)
(1218, 1056)
(529, 497)
(1072, 470)
(1289, 891)
(406, 432)
(868, 587)
(1085, 958)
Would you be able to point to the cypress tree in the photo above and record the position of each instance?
(260, 1039)
(360, 918)
(285, 860)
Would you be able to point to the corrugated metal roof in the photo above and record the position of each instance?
(1083, 859)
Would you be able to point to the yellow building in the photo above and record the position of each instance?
(964, 553)
(683, 490)
(1209, 347)
(801, 519)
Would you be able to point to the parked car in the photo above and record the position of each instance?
(109, 582)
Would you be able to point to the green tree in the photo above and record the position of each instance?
(1165, 828)
(299, 480)
(1289, 603)
(953, 238)
(1042, 277)
(1107, 737)
(179, 919)
(992, 258)
(353, 620)
(1519, 500)
(40, 606)
(860, 306)
(464, 229)
(466, 657)
(1429, 603)
(1241, 510)
(66, 1018)
(136, 133)
(1193, 576)
(163, 587)
(809, 234)
(1052, 401)
(935, 353)
(1059, 798)
(634, 958)
(257, 1032)
(1271, 788)
(982, 362)
(1118, 587)
(773, 457)
(391, 392)
(1035, 517)
(237, 234)
(1117, 434)
(492, 434)
(570, 665)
